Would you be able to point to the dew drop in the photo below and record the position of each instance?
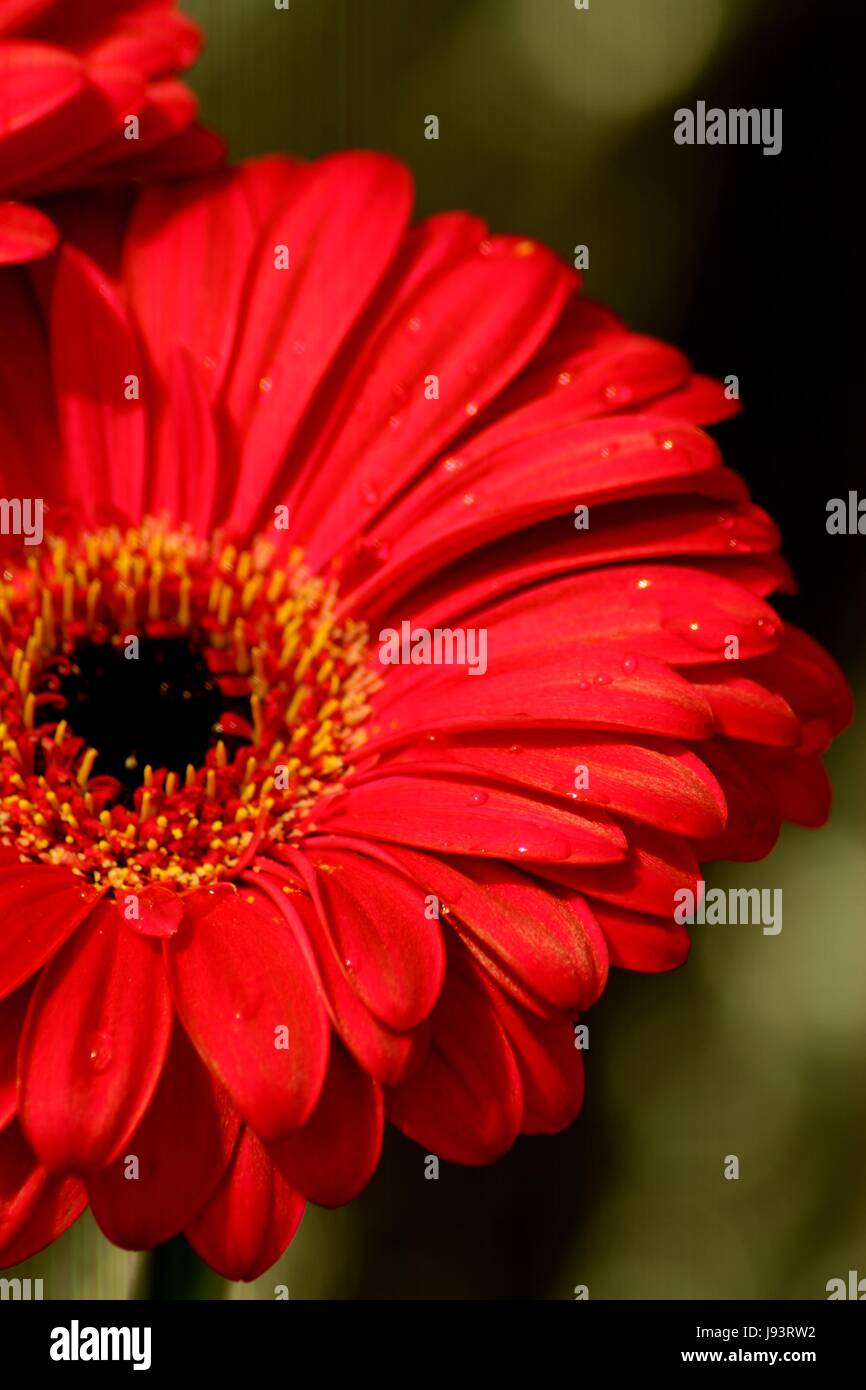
(515, 748)
(583, 685)
(479, 798)
(629, 664)
(101, 1051)
(248, 1006)
(381, 551)
(602, 679)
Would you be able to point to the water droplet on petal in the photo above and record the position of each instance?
(248, 1006)
(602, 679)
(479, 798)
(629, 664)
(101, 1051)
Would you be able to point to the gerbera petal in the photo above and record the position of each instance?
(665, 786)
(391, 949)
(249, 1002)
(339, 232)
(491, 306)
(551, 947)
(564, 685)
(35, 1207)
(465, 1101)
(251, 1218)
(647, 878)
(639, 942)
(463, 818)
(209, 222)
(550, 1064)
(26, 234)
(386, 1054)
(94, 1043)
(332, 1158)
(12, 1012)
(98, 376)
(181, 1150)
(42, 906)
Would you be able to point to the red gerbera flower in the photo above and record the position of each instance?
(88, 95)
(260, 888)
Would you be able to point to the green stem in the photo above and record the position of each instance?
(174, 1271)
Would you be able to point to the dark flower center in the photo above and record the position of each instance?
(158, 704)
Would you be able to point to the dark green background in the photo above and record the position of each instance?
(559, 124)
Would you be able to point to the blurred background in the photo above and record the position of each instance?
(558, 123)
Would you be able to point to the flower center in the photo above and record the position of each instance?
(168, 703)
(160, 707)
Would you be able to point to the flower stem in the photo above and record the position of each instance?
(175, 1272)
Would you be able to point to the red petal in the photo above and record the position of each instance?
(439, 814)
(476, 319)
(465, 1102)
(334, 1156)
(386, 1054)
(341, 229)
(238, 976)
(669, 789)
(25, 234)
(206, 221)
(160, 912)
(42, 906)
(94, 351)
(183, 1145)
(251, 1219)
(12, 1013)
(551, 947)
(642, 943)
(94, 1044)
(393, 954)
(35, 1208)
(551, 1067)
